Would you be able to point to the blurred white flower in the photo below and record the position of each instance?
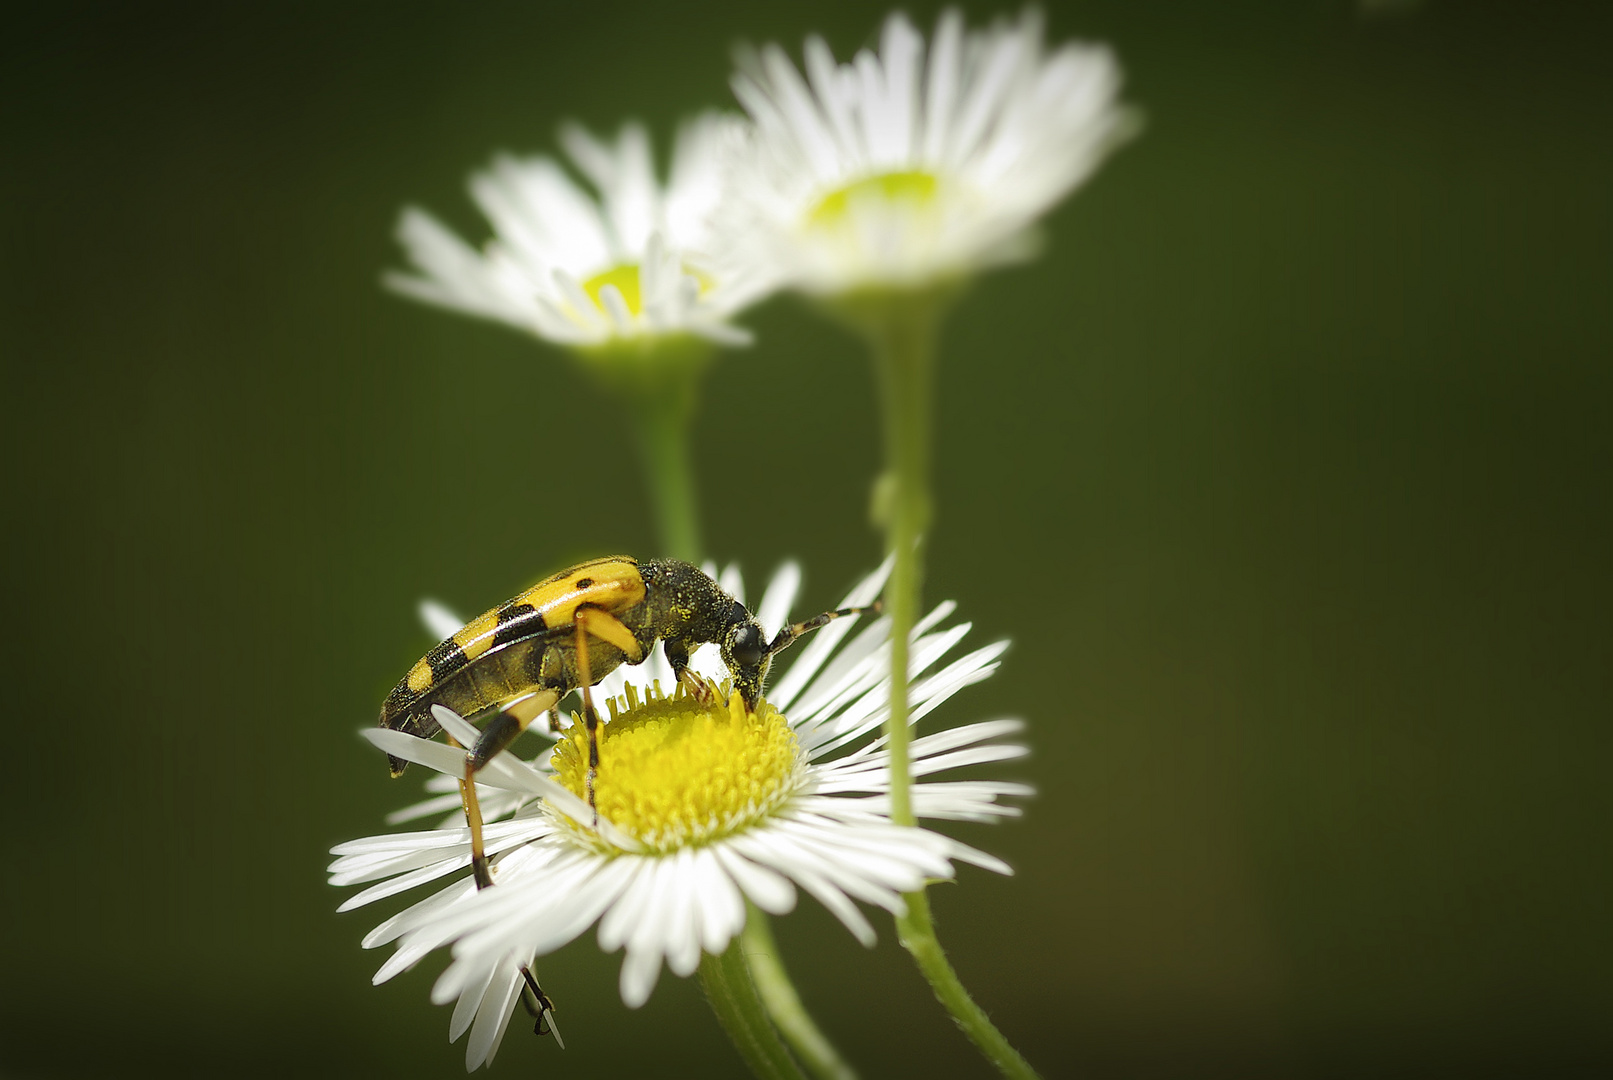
(901, 169)
(702, 807)
(581, 272)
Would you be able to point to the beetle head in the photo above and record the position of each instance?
(745, 652)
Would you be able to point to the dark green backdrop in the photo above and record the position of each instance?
(1286, 468)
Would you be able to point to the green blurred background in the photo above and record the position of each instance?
(1286, 468)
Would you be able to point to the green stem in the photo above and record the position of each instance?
(727, 983)
(902, 328)
(663, 423)
(813, 1048)
(917, 933)
(904, 352)
(659, 381)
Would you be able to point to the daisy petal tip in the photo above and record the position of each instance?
(554, 1029)
(639, 976)
(352, 903)
(396, 964)
(446, 988)
(455, 725)
(438, 618)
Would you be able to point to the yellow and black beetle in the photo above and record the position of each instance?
(514, 663)
(570, 630)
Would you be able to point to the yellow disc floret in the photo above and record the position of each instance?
(677, 772)
(625, 278)
(911, 187)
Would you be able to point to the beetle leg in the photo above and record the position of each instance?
(479, 867)
(677, 654)
(599, 623)
(699, 688)
(501, 731)
(537, 1002)
(590, 719)
(609, 629)
(522, 712)
(496, 736)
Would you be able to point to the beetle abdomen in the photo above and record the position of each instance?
(467, 688)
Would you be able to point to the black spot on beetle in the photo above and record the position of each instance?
(445, 659)
(514, 623)
(585, 583)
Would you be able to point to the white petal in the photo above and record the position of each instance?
(682, 945)
(732, 582)
(401, 883)
(617, 924)
(494, 1014)
(774, 610)
(721, 909)
(640, 970)
(655, 925)
(616, 307)
(440, 622)
(444, 759)
(390, 929)
(467, 1005)
(764, 887)
(805, 871)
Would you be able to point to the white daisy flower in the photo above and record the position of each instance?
(701, 807)
(901, 169)
(580, 272)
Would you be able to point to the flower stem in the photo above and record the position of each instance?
(659, 381)
(663, 426)
(901, 328)
(917, 933)
(813, 1048)
(728, 986)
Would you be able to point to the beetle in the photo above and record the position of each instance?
(515, 662)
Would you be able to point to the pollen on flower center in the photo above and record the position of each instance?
(625, 278)
(910, 187)
(676, 772)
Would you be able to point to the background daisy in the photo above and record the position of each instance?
(909, 165)
(580, 269)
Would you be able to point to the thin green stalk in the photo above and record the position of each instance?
(659, 381)
(917, 933)
(663, 424)
(902, 330)
(773, 983)
(727, 983)
(903, 333)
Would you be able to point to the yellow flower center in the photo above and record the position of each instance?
(625, 278)
(910, 187)
(677, 772)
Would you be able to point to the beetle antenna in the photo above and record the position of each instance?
(786, 637)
